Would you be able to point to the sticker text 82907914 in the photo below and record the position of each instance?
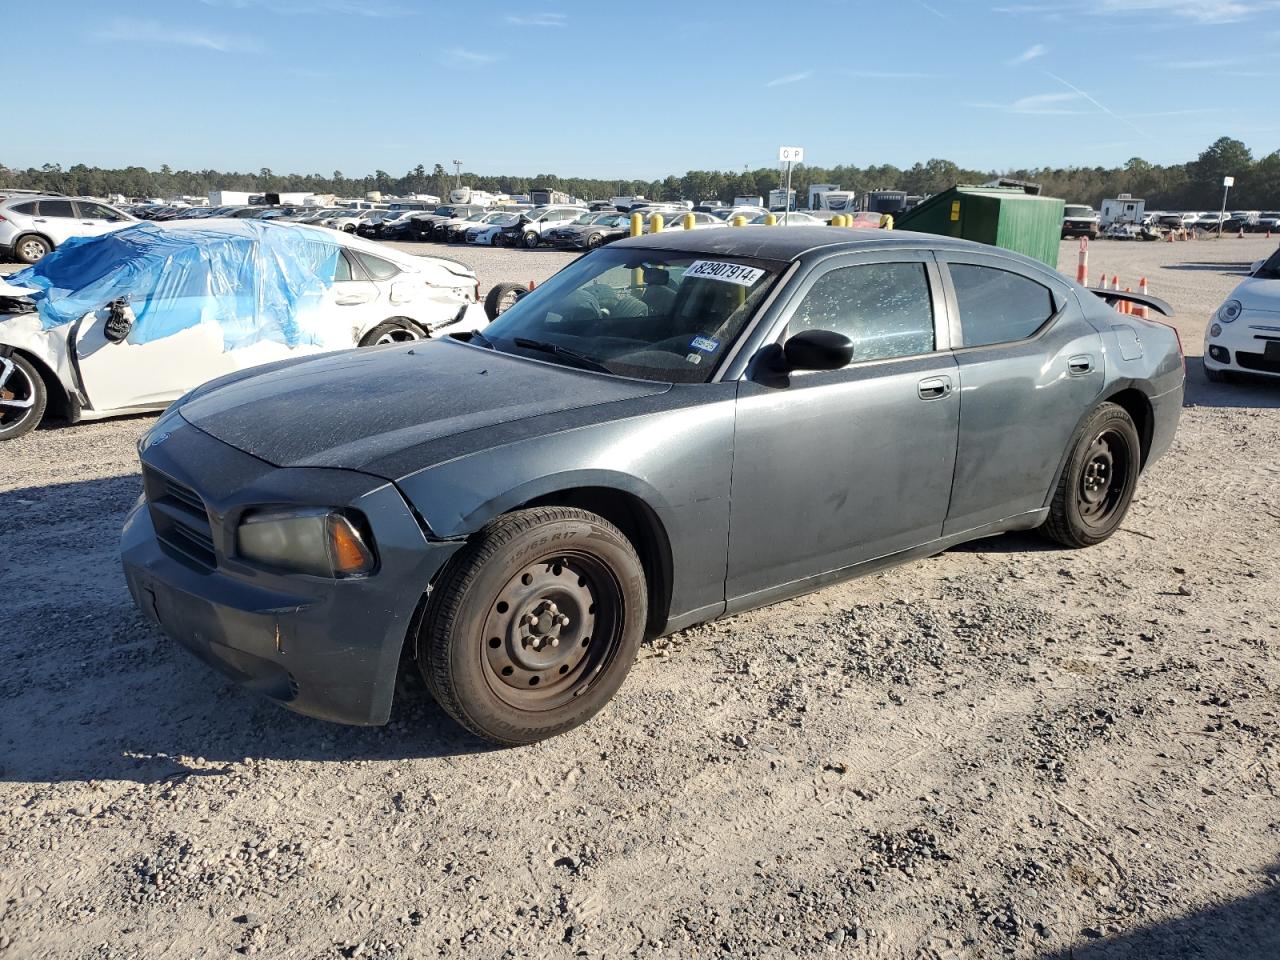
(737, 273)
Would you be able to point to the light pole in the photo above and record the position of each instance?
(1227, 184)
(457, 174)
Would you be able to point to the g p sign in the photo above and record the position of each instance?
(791, 154)
(1228, 181)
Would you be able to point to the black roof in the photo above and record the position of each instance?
(784, 243)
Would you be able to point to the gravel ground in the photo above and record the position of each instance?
(1007, 750)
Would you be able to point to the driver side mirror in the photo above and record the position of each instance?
(817, 350)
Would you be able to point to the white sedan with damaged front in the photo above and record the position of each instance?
(128, 322)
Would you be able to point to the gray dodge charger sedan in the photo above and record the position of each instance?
(671, 429)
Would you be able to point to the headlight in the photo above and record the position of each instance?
(1230, 310)
(318, 541)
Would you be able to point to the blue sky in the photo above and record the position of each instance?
(644, 89)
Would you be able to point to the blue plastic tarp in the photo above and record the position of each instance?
(256, 281)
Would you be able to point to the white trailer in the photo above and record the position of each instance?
(818, 192)
(1123, 209)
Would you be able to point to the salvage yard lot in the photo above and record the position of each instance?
(1007, 750)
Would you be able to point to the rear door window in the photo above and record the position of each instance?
(997, 306)
(884, 308)
(57, 208)
(376, 267)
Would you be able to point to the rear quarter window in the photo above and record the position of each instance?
(997, 306)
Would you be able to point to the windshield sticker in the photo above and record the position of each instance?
(705, 344)
(694, 358)
(743, 276)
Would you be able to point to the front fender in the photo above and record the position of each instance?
(677, 461)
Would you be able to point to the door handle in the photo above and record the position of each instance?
(1079, 366)
(934, 388)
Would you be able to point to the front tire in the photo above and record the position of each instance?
(1097, 485)
(531, 240)
(1217, 376)
(395, 330)
(23, 397)
(594, 240)
(535, 625)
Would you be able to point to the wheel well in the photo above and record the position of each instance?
(1136, 404)
(59, 401)
(32, 233)
(640, 525)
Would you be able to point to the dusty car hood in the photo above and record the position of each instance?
(350, 409)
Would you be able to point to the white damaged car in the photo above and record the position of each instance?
(1244, 335)
(128, 322)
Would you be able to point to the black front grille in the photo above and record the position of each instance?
(179, 517)
(1257, 361)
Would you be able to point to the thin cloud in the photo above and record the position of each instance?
(891, 75)
(460, 57)
(1040, 104)
(1029, 54)
(790, 78)
(360, 8)
(537, 19)
(152, 31)
(1105, 109)
(1200, 11)
(931, 9)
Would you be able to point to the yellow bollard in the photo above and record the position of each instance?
(770, 220)
(637, 224)
(739, 221)
(688, 221)
(838, 220)
(655, 223)
(886, 222)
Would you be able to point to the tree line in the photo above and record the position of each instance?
(1196, 184)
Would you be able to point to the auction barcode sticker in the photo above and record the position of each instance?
(743, 276)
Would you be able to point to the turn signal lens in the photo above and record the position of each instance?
(347, 548)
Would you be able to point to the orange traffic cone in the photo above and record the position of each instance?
(532, 284)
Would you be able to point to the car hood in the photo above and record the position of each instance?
(352, 409)
(1258, 294)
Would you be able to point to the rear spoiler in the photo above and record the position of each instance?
(1141, 299)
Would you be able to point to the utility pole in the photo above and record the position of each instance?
(457, 174)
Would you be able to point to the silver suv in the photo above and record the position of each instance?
(33, 224)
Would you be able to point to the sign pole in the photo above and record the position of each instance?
(1227, 184)
(789, 155)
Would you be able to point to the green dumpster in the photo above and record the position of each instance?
(1003, 217)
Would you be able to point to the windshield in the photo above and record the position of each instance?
(1072, 211)
(653, 314)
(1271, 269)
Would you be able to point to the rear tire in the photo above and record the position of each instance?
(501, 298)
(30, 249)
(535, 625)
(1097, 484)
(395, 330)
(23, 397)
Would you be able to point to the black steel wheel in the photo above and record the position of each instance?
(535, 624)
(23, 396)
(1097, 485)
